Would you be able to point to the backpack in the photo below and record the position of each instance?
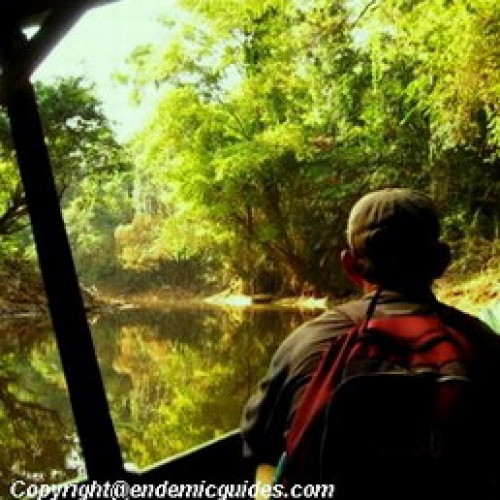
(393, 412)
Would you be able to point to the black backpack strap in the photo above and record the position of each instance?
(358, 311)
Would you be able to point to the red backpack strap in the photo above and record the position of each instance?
(328, 374)
(318, 391)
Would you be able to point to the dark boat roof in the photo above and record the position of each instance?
(20, 56)
(26, 13)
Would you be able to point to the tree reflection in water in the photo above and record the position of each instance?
(38, 435)
(174, 379)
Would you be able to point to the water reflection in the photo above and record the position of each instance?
(38, 436)
(178, 378)
(174, 379)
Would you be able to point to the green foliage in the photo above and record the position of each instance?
(90, 170)
(277, 115)
(455, 65)
(92, 215)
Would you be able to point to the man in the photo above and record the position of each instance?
(394, 252)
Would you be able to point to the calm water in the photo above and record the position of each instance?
(174, 379)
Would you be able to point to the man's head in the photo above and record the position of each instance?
(393, 237)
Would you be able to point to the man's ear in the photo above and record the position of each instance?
(351, 268)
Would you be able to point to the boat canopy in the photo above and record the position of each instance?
(49, 19)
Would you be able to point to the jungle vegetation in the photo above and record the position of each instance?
(274, 117)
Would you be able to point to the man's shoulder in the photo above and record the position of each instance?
(313, 337)
(332, 322)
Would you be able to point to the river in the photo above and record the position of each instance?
(175, 377)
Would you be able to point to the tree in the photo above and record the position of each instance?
(243, 155)
(452, 49)
(276, 116)
(88, 165)
(80, 142)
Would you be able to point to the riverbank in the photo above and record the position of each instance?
(28, 299)
(472, 294)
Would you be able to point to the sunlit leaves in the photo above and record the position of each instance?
(278, 113)
(454, 48)
(81, 146)
(90, 170)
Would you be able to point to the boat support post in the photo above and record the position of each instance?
(98, 440)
